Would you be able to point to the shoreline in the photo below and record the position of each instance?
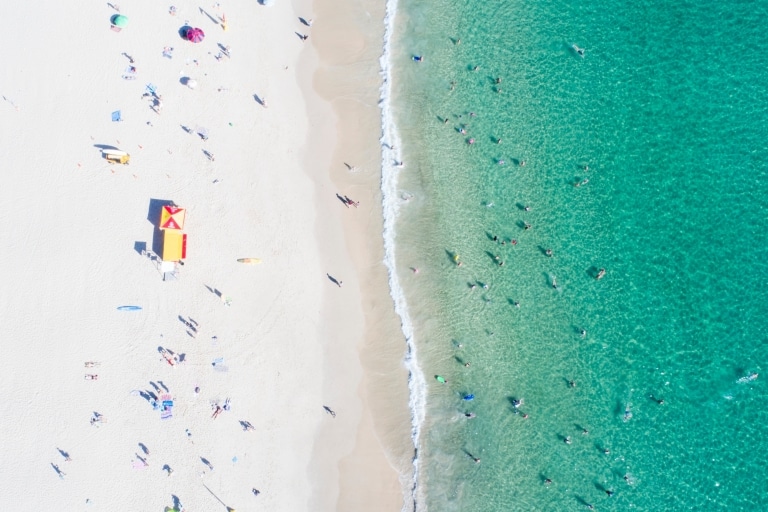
(347, 45)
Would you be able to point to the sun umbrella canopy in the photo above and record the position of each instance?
(172, 217)
(195, 35)
(119, 20)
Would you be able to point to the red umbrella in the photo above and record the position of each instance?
(195, 35)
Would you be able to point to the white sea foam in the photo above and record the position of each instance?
(390, 144)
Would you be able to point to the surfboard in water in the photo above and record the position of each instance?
(128, 308)
(249, 261)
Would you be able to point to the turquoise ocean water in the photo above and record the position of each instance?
(664, 121)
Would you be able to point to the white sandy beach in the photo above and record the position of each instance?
(289, 343)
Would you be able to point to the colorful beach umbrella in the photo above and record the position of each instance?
(172, 217)
(195, 35)
(119, 20)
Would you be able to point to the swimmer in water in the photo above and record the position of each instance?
(567, 440)
(469, 415)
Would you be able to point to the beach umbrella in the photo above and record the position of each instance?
(191, 83)
(195, 35)
(119, 20)
(172, 217)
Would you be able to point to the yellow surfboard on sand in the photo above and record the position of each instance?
(249, 261)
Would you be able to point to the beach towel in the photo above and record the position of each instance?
(166, 411)
(117, 116)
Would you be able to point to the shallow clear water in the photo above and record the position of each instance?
(667, 108)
